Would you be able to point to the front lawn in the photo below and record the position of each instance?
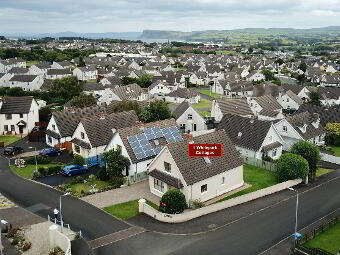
(205, 113)
(259, 178)
(80, 189)
(9, 139)
(208, 93)
(127, 210)
(336, 150)
(204, 103)
(27, 171)
(322, 171)
(329, 240)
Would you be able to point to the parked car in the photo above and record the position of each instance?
(50, 152)
(12, 150)
(74, 169)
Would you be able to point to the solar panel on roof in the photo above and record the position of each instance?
(142, 136)
(156, 129)
(144, 142)
(151, 136)
(137, 150)
(173, 129)
(157, 150)
(149, 153)
(140, 155)
(148, 131)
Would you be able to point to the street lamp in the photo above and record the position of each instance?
(1, 247)
(35, 156)
(296, 215)
(61, 216)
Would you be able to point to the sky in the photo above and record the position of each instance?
(41, 16)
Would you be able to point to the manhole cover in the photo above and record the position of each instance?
(212, 226)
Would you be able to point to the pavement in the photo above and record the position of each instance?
(250, 228)
(121, 195)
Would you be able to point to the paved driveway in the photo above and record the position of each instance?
(121, 195)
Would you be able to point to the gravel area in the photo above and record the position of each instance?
(5, 203)
(39, 237)
(121, 195)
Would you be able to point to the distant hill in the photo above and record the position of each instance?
(222, 34)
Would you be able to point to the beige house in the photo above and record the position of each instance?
(199, 178)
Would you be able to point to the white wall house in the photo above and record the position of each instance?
(26, 82)
(289, 100)
(18, 115)
(189, 119)
(8, 64)
(85, 73)
(167, 172)
(255, 76)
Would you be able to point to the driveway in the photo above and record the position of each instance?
(121, 195)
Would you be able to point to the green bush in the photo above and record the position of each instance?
(92, 178)
(78, 160)
(116, 182)
(197, 204)
(40, 160)
(102, 174)
(173, 201)
(43, 171)
(291, 166)
(36, 175)
(54, 170)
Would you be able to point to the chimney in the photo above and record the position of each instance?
(140, 125)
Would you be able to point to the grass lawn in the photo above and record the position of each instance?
(204, 103)
(322, 171)
(207, 92)
(336, 150)
(127, 210)
(9, 139)
(259, 179)
(328, 240)
(31, 63)
(27, 172)
(85, 187)
(204, 113)
(92, 80)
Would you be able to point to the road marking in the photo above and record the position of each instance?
(299, 230)
(37, 207)
(115, 237)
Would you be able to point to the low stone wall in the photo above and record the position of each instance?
(58, 239)
(330, 158)
(186, 216)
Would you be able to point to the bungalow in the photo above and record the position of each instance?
(85, 73)
(18, 115)
(140, 143)
(329, 96)
(26, 82)
(182, 94)
(113, 81)
(129, 92)
(289, 100)
(199, 178)
(255, 76)
(161, 88)
(62, 65)
(53, 74)
(40, 69)
(8, 64)
(104, 95)
(301, 127)
(252, 137)
(94, 133)
(265, 107)
(188, 118)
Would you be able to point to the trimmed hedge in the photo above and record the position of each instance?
(173, 201)
(291, 166)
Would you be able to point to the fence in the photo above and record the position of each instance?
(260, 163)
(58, 239)
(135, 178)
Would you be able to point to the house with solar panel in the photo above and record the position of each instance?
(93, 133)
(199, 178)
(140, 143)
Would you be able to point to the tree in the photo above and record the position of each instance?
(63, 90)
(279, 61)
(78, 160)
(173, 201)
(315, 98)
(303, 67)
(116, 163)
(144, 81)
(333, 134)
(310, 152)
(157, 110)
(126, 106)
(291, 166)
(269, 75)
(83, 100)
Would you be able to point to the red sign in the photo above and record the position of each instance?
(205, 150)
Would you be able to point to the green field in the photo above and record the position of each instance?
(329, 240)
(259, 178)
(9, 139)
(204, 103)
(208, 93)
(27, 171)
(126, 210)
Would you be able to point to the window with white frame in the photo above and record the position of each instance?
(158, 185)
(274, 152)
(189, 116)
(82, 135)
(223, 179)
(8, 116)
(77, 148)
(285, 129)
(167, 167)
(53, 126)
(6, 128)
(204, 188)
(49, 140)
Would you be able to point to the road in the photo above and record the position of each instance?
(251, 234)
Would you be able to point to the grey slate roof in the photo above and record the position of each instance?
(327, 115)
(68, 120)
(23, 78)
(183, 93)
(195, 169)
(128, 92)
(167, 178)
(293, 96)
(58, 72)
(299, 120)
(245, 132)
(99, 128)
(18, 70)
(181, 109)
(91, 86)
(16, 105)
(235, 106)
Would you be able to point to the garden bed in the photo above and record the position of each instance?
(28, 170)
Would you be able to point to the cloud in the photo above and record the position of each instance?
(38, 16)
